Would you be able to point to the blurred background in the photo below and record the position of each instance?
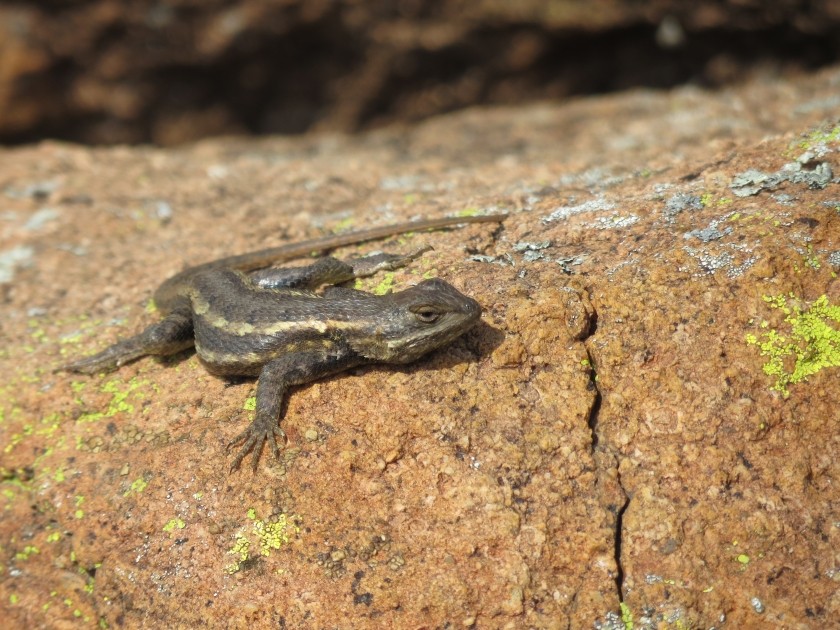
(173, 71)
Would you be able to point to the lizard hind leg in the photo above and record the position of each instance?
(170, 335)
(381, 261)
(329, 270)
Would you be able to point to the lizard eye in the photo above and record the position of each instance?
(426, 314)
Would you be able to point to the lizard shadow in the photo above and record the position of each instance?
(473, 345)
(479, 342)
(174, 360)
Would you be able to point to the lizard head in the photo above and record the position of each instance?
(418, 320)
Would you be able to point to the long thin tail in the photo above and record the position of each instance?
(171, 289)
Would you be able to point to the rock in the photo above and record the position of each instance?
(624, 437)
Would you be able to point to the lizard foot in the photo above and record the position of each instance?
(106, 361)
(369, 265)
(260, 431)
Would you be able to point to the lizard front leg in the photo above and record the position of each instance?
(170, 335)
(275, 378)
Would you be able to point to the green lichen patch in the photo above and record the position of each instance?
(79, 513)
(240, 549)
(382, 287)
(174, 523)
(821, 137)
(809, 342)
(25, 553)
(470, 211)
(809, 259)
(137, 486)
(84, 328)
(266, 534)
(272, 535)
(626, 616)
(385, 285)
(123, 393)
(344, 225)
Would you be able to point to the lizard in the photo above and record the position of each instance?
(246, 317)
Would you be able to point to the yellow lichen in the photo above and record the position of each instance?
(121, 394)
(626, 616)
(385, 285)
(173, 524)
(137, 486)
(810, 343)
(27, 551)
(240, 549)
(820, 136)
(268, 535)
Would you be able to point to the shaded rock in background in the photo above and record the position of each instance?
(167, 72)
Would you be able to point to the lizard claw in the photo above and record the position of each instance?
(258, 432)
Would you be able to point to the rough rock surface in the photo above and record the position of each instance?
(169, 71)
(604, 449)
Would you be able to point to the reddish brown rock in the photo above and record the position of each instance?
(606, 437)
